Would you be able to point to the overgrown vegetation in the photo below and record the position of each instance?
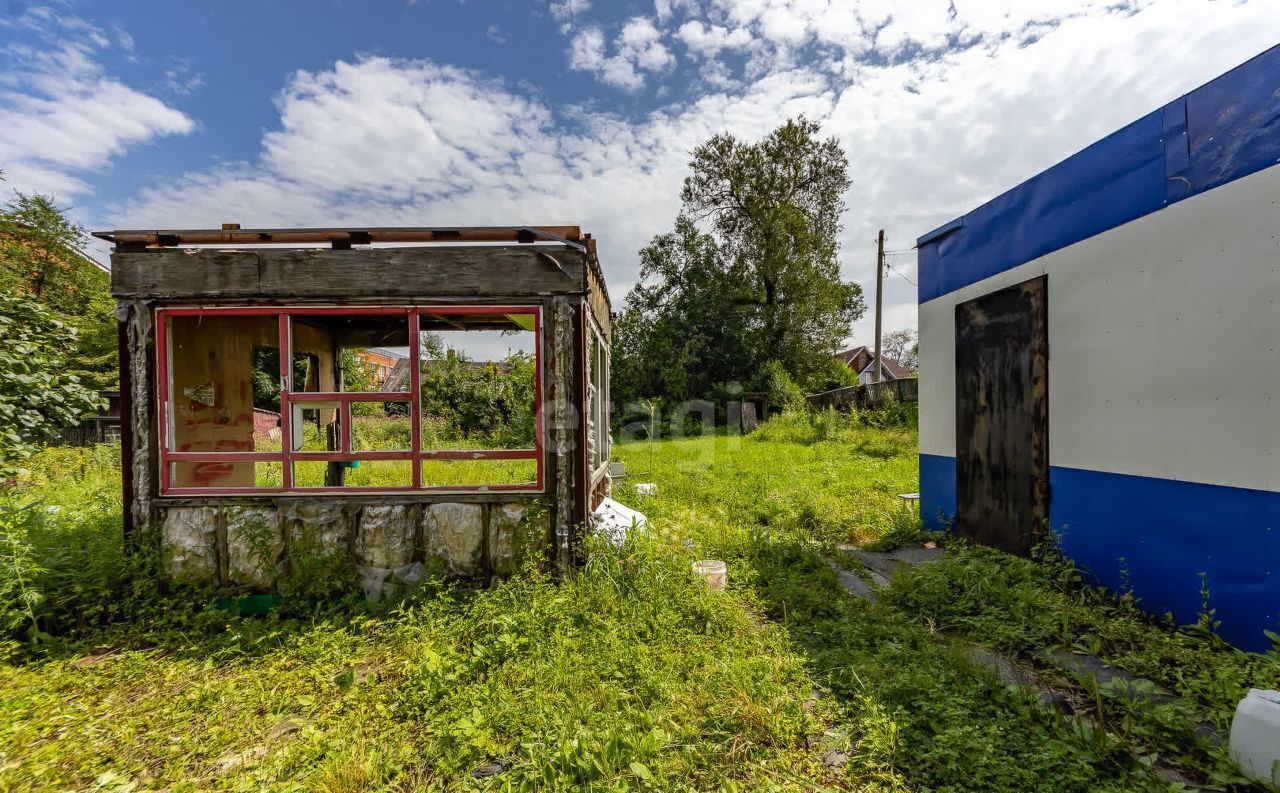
(63, 569)
(37, 394)
(488, 402)
(626, 675)
(40, 261)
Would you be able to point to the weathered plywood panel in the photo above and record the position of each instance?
(211, 407)
(1002, 437)
(470, 272)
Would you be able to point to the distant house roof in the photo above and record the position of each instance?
(895, 370)
(861, 357)
(387, 352)
(851, 355)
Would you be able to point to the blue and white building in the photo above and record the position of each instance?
(1100, 354)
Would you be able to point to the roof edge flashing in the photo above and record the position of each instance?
(941, 231)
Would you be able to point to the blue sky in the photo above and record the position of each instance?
(441, 112)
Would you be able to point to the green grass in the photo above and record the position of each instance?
(626, 675)
(392, 433)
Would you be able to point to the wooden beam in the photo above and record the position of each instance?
(282, 274)
(126, 429)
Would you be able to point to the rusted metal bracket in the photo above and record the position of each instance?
(547, 235)
(555, 261)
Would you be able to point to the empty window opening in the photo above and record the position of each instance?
(479, 473)
(478, 381)
(295, 399)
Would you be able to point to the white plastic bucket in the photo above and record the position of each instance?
(712, 571)
(1255, 736)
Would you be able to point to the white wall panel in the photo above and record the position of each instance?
(1163, 343)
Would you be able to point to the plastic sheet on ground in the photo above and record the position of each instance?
(614, 520)
(380, 582)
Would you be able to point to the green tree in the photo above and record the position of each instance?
(359, 375)
(485, 403)
(902, 346)
(40, 259)
(682, 333)
(37, 394)
(750, 274)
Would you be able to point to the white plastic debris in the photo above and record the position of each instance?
(373, 580)
(1255, 736)
(614, 520)
(647, 489)
(380, 582)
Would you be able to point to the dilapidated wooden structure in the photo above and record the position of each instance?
(219, 328)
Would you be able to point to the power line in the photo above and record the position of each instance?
(900, 275)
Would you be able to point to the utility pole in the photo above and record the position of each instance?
(879, 372)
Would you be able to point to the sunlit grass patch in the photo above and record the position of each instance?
(626, 674)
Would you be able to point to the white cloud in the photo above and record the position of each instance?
(567, 12)
(641, 42)
(637, 48)
(888, 27)
(664, 9)
(421, 130)
(63, 116)
(707, 41)
(384, 141)
(587, 52)
(180, 78)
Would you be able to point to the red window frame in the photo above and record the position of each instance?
(286, 456)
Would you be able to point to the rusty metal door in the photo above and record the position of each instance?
(1002, 417)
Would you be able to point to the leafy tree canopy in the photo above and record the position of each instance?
(39, 259)
(902, 346)
(749, 275)
(36, 392)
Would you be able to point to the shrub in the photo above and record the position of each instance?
(36, 394)
(64, 566)
(490, 402)
(778, 387)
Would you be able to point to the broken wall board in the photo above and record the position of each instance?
(598, 301)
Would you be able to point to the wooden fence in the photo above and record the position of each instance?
(98, 429)
(871, 395)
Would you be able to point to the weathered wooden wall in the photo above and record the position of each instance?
(598, 299)
(407, 273)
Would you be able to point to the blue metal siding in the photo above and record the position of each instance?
(1162, 534)
(1118, 179)
(937, 491)
(1220, 132)
(1155, 537)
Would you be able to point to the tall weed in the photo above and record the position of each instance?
(64, 565)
